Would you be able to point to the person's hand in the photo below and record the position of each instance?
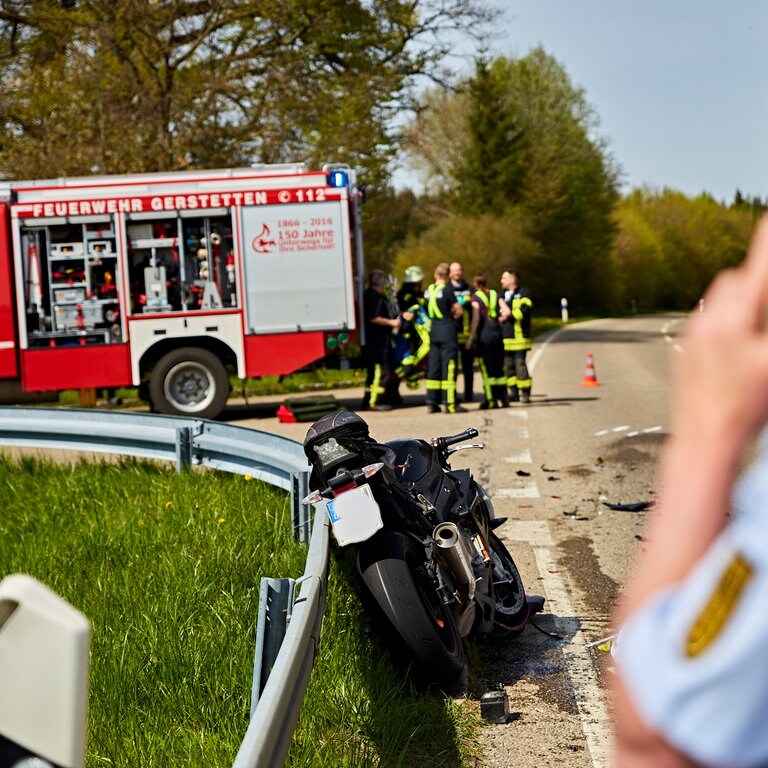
(721, 384)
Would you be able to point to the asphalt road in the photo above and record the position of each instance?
(552, 467)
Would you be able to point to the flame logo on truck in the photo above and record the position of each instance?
(263, 242)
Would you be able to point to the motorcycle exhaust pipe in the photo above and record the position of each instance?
(457, 553)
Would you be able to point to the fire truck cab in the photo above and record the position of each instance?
(167, 281)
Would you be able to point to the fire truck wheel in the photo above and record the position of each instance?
(189, 382)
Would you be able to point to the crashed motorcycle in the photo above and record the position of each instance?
(425, 540)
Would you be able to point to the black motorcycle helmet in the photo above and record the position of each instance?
(341, 438)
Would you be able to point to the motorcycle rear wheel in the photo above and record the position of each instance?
(393, 570)
(512, 610)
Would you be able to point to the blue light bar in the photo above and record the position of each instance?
(338, 178)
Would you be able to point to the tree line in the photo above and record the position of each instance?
(515, 171)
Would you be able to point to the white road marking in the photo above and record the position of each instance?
(535, 532)
(521, 457)
(524, 488)
(590, 699)
(514, 413)
(540, 349)
(625, 427)
(521, 433)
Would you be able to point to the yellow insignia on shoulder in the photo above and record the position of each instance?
(719, 607)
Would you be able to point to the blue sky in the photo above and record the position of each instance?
(680, 86)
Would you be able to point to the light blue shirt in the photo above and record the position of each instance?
(711, 703)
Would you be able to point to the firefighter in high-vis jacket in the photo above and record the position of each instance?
(517, 337)
(463, 291)
(412, 342)
(444, 309)
(488, 309)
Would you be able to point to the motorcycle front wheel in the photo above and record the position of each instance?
(512, 610)
(392, 567)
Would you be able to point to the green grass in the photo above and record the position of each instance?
(167, 569)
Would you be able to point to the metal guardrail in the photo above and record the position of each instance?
(289, 625)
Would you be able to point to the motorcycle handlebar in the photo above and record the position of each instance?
(443, 442)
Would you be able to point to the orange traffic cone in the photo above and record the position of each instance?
(590, 379)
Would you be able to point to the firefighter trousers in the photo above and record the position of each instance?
(441, 372)
(516, 370)
(492, 370)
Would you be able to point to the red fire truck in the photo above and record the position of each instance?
(167, 281)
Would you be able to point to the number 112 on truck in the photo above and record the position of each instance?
(170, 281)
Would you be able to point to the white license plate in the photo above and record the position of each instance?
(355, 515)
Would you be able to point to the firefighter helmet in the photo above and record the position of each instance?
(413, 275)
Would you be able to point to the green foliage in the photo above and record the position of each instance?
(491, 173)
(525, 153)
(167, 567)
(485, 243)
(113, 86)
(669, 247)
(361, 711)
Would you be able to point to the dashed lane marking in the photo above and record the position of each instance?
(521, 457)
(631, 432)
(534, 532)
(514, 413)
(524, 488)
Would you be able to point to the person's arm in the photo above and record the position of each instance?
(720, 402)
(474, 323)
(391, 322)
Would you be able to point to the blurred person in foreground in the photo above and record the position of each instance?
(691, 687)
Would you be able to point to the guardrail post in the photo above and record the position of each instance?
(183, 449)
(301, 514)
(275, 601)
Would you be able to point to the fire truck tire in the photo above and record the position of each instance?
(189, 382)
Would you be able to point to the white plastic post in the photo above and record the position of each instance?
(44, 647)
(564, 310)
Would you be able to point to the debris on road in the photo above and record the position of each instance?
(638, 506)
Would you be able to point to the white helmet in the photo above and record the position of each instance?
(413, 275)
